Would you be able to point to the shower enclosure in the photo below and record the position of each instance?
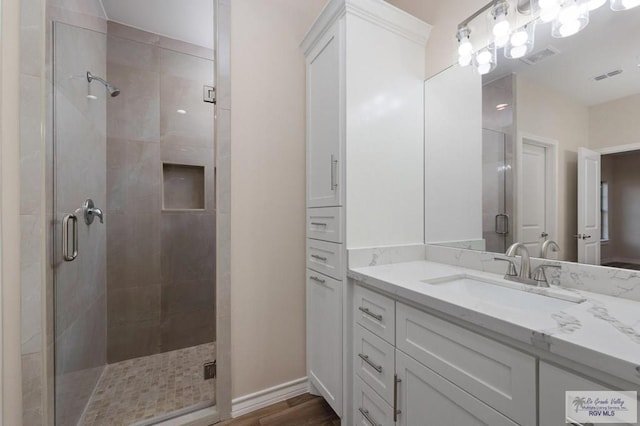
(134, 228)
(496, 223)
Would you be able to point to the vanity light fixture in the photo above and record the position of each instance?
(549, 10)
(595, 4)
(485, 60)
(619, 5)
(568, 17)
(465, 48)
(501, 25)
(572, 18)
(521, 42)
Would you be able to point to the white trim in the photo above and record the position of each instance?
(618, 148)
(255, 401)
(378, 12)
(551, 147)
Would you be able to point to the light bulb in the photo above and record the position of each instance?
(484, 57)
(629, 4)
(595, 4)
(501, 41)
(545, 4)
(465, 48)
(569, 14)
(484, 69)
(519, 38)
(518, 51)
(549, 14)
(569, 28)
(501, 27)
(463, 61)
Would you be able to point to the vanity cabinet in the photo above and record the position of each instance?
(554, 382)
(324, 138)
(365, 132)
(428, 371)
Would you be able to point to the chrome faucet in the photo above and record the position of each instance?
(525, 263)
(549, 244)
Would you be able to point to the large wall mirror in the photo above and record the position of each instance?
(543, 147)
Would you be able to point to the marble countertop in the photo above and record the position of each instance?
(602, 332)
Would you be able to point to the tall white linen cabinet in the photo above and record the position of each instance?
(365, 154)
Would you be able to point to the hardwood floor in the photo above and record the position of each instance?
(303, 410)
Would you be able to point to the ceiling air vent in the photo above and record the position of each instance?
(541, 55)
(607, 75)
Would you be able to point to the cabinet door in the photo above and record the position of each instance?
(425, 398)
(554, 382)
(324, 337)
(324, 109)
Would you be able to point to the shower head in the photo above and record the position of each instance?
(113, 90)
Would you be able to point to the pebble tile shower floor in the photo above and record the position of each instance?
(140, 389)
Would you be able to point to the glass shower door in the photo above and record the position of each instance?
(496, 224)
(79, 174)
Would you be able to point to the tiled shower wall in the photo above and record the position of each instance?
(161, 262)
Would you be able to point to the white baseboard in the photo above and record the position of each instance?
(255, 401)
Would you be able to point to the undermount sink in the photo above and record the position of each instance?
(507, 293)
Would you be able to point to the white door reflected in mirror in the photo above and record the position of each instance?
(588, 206)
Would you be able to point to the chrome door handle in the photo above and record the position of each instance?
(371, 314)
(544, 235)
(334, 163)
(366, 415)
(582, 236)
(366, 359)
(396, 411)
(66, 254)
(315, 256)
(505, 230)
(320, 280)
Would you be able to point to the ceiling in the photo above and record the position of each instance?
(170, 18)
(609, 42)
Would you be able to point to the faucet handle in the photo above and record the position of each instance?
(540, 276)
(511, 269)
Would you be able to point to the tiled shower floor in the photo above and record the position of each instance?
(139, 389)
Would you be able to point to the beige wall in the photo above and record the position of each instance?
(615, 123)
(543, 112)
(445, 17)
(11, 394)
(268, 191)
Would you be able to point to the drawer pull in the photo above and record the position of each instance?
(366, 359)
(319, 224)
(366, 415)
(371, 314)
(315, 256)
(318, 279)
(396, 381)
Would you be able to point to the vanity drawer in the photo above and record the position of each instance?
(325, 224)
(373, 361)
(368, 408)
(498, 375)
(375, 312)
(325, 257)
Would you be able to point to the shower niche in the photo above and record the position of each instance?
(183, 187)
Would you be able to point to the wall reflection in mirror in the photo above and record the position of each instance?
(545, 147)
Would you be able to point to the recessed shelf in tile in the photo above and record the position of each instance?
(183, 187)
